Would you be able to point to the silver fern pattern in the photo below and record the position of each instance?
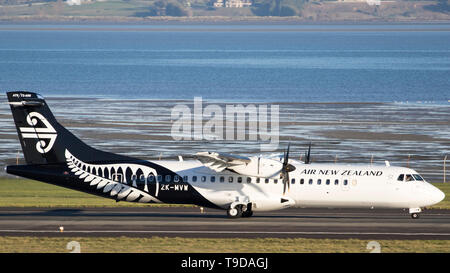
(94, 175)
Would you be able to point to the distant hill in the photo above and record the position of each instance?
(212, 10)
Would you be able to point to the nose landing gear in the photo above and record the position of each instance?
(415, 215)
(415, 212)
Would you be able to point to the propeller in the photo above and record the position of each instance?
(287, 168)
(308, 155)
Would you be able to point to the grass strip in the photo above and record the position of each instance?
(214, 245)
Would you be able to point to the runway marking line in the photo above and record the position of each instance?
(228, 232)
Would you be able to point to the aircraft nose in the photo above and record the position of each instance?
(437, 195)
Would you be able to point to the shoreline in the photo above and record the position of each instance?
(224, 26)
(212, 20)
(87, 97)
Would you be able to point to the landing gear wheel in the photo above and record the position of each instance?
(247, 214)
(235, 212)
(415, 215)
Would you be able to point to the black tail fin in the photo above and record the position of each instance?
(43, 139)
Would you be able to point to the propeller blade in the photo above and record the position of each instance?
(286, 169)
(285, 185)
(308, 155)
(286, 182)
(286, 159)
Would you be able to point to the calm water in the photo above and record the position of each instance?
(309, 63)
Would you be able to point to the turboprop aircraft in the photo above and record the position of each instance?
(238, 184)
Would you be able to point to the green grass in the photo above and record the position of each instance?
(108, 8)
(30, 193)
(220, 245)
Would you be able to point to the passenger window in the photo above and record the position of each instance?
(176, 178)
(213, 179)
(293, 181)
(203, 178)
(222, 179)
(230, 179)
(328, 182)
(319, 181)
(151, 178)
(249, 179)
(310, 181)
(345, 182)
(336, 182)
(257, 180)
(409, 178)
(185, 178)
(400, 177)
(168, 178)
(142, 178)
(266, 180)
(239, 180)
(194, 178)
(302, 181)
(275, 181)
(159, 177)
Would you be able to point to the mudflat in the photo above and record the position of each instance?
(405, 134)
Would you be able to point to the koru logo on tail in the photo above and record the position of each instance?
(43, 133)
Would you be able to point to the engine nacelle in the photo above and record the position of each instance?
(259, 167)
(272, 204)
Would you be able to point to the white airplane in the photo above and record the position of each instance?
(238, 184)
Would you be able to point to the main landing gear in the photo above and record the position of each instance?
(240, 210)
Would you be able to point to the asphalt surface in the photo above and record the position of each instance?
(190, 222)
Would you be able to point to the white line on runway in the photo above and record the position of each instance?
(174, 212)
(227, 232)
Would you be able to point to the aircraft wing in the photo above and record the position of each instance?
(220, 161)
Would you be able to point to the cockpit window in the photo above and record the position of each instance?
(410, 177)
(418, 177)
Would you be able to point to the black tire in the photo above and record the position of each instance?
(415, 215)
(231, 213)
(234, 213)
(247, 214)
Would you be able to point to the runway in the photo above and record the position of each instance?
(190, 222)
